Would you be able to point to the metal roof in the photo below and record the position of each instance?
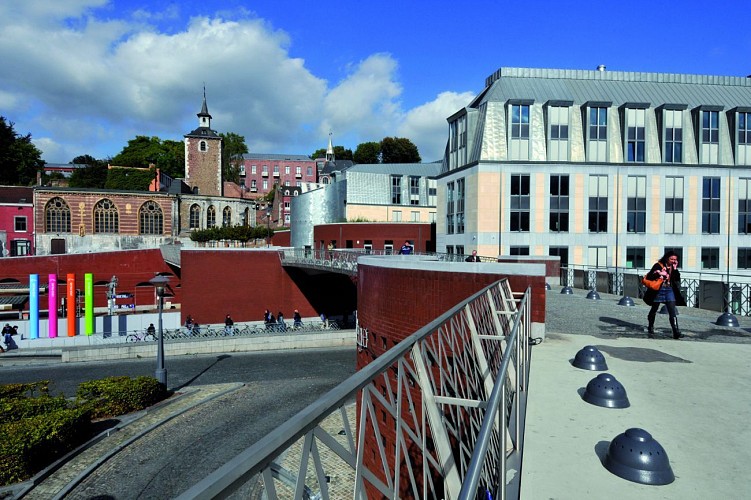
(16, 195)
(419, 169)
(275, 157)
(618, 87)
(15, 300)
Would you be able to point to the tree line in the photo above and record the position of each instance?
(21, 161)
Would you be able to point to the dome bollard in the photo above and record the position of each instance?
(604, 390)
(590, 358)
(637, 457)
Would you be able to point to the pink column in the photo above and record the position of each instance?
(52, 305)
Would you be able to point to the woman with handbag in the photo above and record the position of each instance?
(668, 293)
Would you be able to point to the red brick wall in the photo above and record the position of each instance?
(422, 236)
(203, 167)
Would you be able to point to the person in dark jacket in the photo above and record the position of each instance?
(473, 258)
(668, 294)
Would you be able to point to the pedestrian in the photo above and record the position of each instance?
(267, 319)
(668, 293)
(8, 332)
(151, 330)
(324, 321)
(189, 324)
(473, 257)
(297, 320)
(228, 323)
(280, 322)
(406, 249)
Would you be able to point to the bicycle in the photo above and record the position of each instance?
(138, 337)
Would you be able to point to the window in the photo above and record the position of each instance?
(211, 216)
(246, 217)
(558, 116)
(598, 203)
(368, 246)
(396, 189)
(195, 217)
(460, 194)
(559, 203)
(635, 135)
(286, 205)
(460, 249)
(598, 134)
(388, 247)
(414, 190)
(432, 217)
(203, 146)
(673, 138)
(458, 142)
(744, 206)
(106, 217)
(253, 169)
(519, 251)
(298, 184)
(710, 258)
(561, 252)
(265, 185)
(396, 216)
(265, 170)
(310, 171)
(57, 216)
(519, 146)
(710, 205)
(298, 171)
(276, 170)
(710, 136)
(415, 216)
(150, 218)
(743, 147)
(674, 205)
(450, 194)
(19, 223)
(227, 217)
(636, 218)
(286, 170)
(450, 249)
(432, 193)
(635, 257)
(253, 185)
(19, 248)
(744, 258)
(598, 256)
(287, 183)
(519, 203)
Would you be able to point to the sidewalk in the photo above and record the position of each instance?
(692, 395)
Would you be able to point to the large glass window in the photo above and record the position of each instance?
(450, 194)
(211, 216)
(414, 190)
(227, 217)
(195, 217)
(597, 146)
(561, 252)
(106, 218)
(559, 200)
(710, 258)
(396, 189)
(598, 203)
(710, 205)
(744, 258)
(458, 142)
(635, 135)
(558, 117)
(673, 139)
(597, 256)
(674, 205)
(743, 147)
(744, 206)
(19, 223)
(57, 216)
(710, 136)
(519, 147)
(519, 213)
(150, 218)
(636, 221)
(635, 257)
(460, 199)
(518, 250)
(19, 248)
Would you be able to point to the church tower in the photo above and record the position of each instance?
(203, 156)
(330, 150)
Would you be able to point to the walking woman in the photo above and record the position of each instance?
(668, 294)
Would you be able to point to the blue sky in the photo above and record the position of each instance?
(86, 76)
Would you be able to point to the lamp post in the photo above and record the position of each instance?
(160, 373)
(268, 226)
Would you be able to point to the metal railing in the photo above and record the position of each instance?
(437, 416)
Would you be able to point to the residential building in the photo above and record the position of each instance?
(261, 173)
(602, 168)
(16, 221)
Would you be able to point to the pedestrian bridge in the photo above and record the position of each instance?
(453, 394)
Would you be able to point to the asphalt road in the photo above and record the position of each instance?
(176, 455)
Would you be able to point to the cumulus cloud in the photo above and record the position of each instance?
(84, 81)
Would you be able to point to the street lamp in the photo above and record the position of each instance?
(268, 226)
(160, 374)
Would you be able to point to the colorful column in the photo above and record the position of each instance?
(71, 299)
(88, 290)
(52, 305)
(34, 306)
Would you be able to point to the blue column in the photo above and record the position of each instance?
(34, 306)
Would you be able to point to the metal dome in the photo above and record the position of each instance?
(590, 358)
(635, 456)
(604, 390)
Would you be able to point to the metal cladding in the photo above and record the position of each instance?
(590, 358)
(636, 456)
(604, 390)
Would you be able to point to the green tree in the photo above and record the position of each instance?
(141, 152)
(20, 160)
(233, 147)
(399, 150)
(93, 176)
(368, 152)
(130, 179)
(339, 152)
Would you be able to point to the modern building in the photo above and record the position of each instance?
(16, 221)
(602, 168)
(396, 192)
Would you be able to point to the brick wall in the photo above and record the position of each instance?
(204, 168)
(421, 235)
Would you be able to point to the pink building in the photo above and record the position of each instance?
(259, 173)
(16, 221)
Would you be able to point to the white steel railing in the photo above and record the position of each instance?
(436, 416)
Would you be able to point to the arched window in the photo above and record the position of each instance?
(211, 216)
(105, 217)
(151, 220)
(195, 217)
(246, 217)
(202, 146)
(57, 216)
(227, 217)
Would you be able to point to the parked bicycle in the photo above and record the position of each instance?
(141, 336)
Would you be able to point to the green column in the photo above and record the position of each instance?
(88, 284)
